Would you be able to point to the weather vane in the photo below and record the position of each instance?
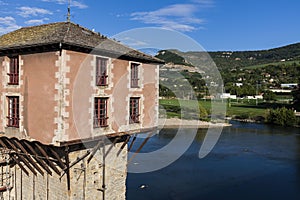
(69, 11)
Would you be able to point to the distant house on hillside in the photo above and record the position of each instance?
(227, 96)
(239, 84)
(63, 88)
(289, 85)
(255, 97)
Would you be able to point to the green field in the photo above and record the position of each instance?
(242, 110)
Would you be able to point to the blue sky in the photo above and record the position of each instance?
(215, 24)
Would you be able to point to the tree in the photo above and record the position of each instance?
(269, 95)
(296, 97)
(165, 91)
(282, 117)
(202, 113)
(246, 90)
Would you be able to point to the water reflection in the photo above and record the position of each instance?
(161, 139)
(170, 133)
(250, 161)
(298, 156)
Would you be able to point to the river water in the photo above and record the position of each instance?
(250, 161)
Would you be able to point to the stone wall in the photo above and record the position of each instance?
(86, 179)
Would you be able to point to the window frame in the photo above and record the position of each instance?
(13, 71)
(101, 71)
(134, 75)
(100, 113)
(134, 110)
(13, 111)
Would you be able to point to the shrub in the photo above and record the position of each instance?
(203, 113)
(282, 117)
(269, 96)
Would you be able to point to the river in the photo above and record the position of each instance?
(250, 161)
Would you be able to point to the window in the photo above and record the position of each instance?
(13, 75)
(101, 71)
(13, 112)
(100, 112)
(134, 75)
(134, 107)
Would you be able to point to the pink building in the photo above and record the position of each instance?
(62, 85)
(44, 69)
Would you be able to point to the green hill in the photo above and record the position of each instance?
(239, 59)
(251, 58)
(171, 56)
(268, 68)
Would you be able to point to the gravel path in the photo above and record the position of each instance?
(175, 122)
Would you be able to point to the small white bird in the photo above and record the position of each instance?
(143, 186)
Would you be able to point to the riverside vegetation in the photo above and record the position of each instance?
(243, 111)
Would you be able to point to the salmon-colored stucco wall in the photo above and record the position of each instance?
(78, 98)
(83, 90)
(39, 93)
(7, 90)
(120, 92)
(150, 93)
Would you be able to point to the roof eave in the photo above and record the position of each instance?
(112, 54)
(55, 46)
(29, 49)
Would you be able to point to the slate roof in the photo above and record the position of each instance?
(68, 34)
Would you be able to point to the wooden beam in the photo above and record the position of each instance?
(47, 157)
(21, 157)
(123, 145)
(12, 156)
(141, 146)
(132, 142)
(40, 161)
(94, 150)
(109, 136)
(75, 162)
(68, 168)
(28, 157)
(111, 146)
(62, 165)
(20, 165)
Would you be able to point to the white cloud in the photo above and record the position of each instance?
(179, 26)
(133, 42)
(180, 10)
(36, 21)
(32, 11)
(73, 3)
(204, 3)
(177, 17)
(181, 17)
(8, 24)
(78, 4)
